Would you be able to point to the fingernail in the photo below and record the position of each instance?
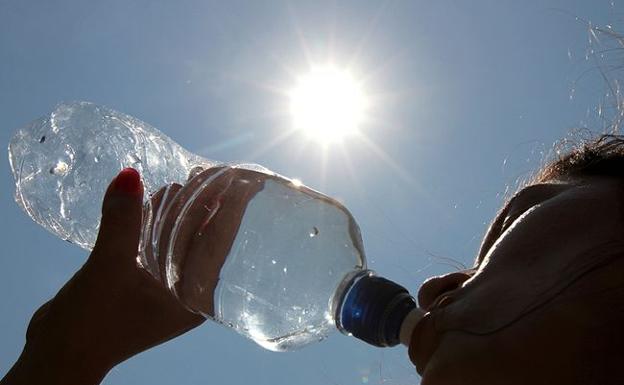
(128, 181)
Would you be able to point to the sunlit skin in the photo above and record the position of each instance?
(544, 303)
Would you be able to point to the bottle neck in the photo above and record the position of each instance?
(374, 309)
(408, 325)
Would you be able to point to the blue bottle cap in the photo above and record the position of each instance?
(373, 310)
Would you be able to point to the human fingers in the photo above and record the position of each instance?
(194, 172)
(118, 237)
(153, 220)
(206, 248)
(169, 222)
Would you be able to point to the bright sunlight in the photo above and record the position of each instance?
(327, 104)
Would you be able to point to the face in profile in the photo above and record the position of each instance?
(544, 303)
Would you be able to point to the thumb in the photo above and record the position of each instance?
(120, 227)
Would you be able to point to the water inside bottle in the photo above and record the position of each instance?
(62, 164)
(278, 284)
(286, 248)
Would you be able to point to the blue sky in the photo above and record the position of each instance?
(468, 96)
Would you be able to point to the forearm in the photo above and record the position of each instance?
(51, 368)
(109, 311)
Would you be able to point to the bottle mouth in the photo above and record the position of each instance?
(373, 309)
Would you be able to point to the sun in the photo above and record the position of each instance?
(327, 104)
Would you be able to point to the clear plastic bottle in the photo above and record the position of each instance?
(278, 262)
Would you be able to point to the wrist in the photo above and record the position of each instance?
(55, 366)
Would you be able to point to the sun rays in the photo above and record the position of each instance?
(324, 106)
(327, 104)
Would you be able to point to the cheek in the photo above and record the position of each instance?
(515, 355)
(467, 359)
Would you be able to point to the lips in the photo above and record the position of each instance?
(425, 341)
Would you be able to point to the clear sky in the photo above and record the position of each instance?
(466, 97)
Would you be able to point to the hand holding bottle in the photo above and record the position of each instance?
(110, 310)
(276, 261)
(203, 235)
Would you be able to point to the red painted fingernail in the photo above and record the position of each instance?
(128, 181)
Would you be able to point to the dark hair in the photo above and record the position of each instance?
(602, 155)
(599, 156)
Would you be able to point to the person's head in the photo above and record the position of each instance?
(544, 303)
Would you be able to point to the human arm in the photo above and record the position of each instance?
(109, 311)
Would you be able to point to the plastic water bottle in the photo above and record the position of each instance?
(274, 260)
